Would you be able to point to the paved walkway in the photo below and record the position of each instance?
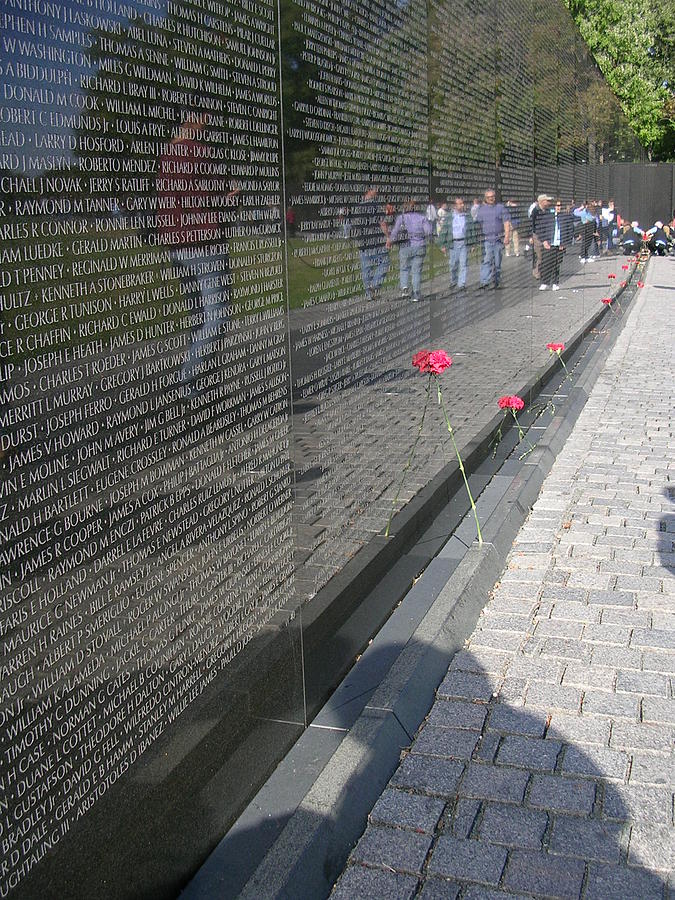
(545, 767)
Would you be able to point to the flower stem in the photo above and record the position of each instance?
(410, 458)
(522, 436)
(562, 362)
(461, 464)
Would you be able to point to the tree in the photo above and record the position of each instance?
(633, 42)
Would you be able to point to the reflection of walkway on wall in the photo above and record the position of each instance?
(545, 766)
(353, 435)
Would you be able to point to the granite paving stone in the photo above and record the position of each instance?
(545, 767)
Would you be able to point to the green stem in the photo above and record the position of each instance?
(498, 437)
(461, 464)
(522, 436)
(410, 458)
(562, 361)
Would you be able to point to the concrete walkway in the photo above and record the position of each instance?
(545, 767)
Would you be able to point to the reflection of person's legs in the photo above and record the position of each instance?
(417, 255)
(497, 251)
(557, 263)
(380, 267)
(201, 273)
(487, 264)
(547, 266)
(463, 254)
(454, 263)
(366, 268)
(516, 241)
(404, 266)
(536, 257)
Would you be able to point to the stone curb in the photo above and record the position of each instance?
(311, 849)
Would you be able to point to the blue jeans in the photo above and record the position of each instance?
(411, 261)
(491, 267)
(201, 274)
(457, 263)
(374, 267)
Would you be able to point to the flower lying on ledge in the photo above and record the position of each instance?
(611, 275)
(625, 267)
(640, 284)
(433, 363)
(559, 350)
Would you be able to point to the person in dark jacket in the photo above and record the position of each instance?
(555, 230)
(631, 240)
(658, 241)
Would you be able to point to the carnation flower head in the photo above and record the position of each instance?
(640, 284)
(431, 362)
(439, 361)
(555, 348)
(511, 401)
(607, 300)
(611, 275)
(624, 267)
(421, 360)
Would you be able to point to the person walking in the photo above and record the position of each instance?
(411, 250)
(539, 208)
(495, 222)
(457, 234)
(556, 232)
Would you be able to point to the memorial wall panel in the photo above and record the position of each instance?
(227, 226)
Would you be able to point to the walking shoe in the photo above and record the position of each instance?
(555, 287)
(414, 299)
(543, 287)
(405, 292)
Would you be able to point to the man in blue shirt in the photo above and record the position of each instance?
(495, 221)
(456, 235)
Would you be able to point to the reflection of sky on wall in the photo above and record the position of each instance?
(44, 62)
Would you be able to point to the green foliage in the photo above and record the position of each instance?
(633, 42)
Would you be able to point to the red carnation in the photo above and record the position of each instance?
(421, 361)
(555, 348)
(625, 268)
(611, 275)
(640, 284)
(439, 361)
(607, 301)
(511, 402)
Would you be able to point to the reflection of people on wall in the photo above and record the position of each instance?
(495, 222)
(512, 207)
(290, 221)
(192, 191)
(631, 239)
(413, 248)
(587, 229)
(458, 233)
(369, 229)
(555, 230)
(657, 240)
(537, 209)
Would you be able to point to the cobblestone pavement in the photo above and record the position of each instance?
(545, 767)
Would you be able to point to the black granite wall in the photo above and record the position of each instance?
(207, 401)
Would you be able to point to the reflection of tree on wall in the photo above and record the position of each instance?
(462, 90)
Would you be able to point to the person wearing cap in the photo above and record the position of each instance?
(538, 209)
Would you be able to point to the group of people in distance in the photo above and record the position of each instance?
(553, 228)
